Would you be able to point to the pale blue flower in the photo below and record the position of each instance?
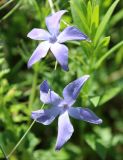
(64, 108)
(53, 40)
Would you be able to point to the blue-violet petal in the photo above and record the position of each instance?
(53, 22)
(84, 114)
(45, 117)
(65, 130)
(60, 52)
(71, 33)
(72, 90)
(47, 96)
(38, 34)
(39, 53)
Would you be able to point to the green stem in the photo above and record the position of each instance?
(19, 142)
(65, 23)
(3, 152)
(51, 6)
(11, 11)
(21, 139)
(6, 4)
(56, 63)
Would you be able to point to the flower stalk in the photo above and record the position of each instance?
(51, 6)
(3, 152)
(19, 142)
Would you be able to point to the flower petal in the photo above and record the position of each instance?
(53, 22)
(39, 53)
(65, 130)
(38, 34)
(47, 96)
(71, 33)
(60, 52)
(72, 90)
(84, 114)
(45, 116)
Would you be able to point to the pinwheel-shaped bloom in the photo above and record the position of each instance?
(63, 108)
(53, 40)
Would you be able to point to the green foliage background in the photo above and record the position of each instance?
(102, 21)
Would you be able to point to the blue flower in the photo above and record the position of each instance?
(63, 108)
(53, 40)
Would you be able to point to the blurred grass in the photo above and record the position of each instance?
(19, 87)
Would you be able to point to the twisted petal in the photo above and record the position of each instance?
(45, 117)
(84, 114)
(53, 22)
(72, 90)
(39, 53)
(60, 52)
(65, 130)
(38, 34)
(71, 33)
(48, 96)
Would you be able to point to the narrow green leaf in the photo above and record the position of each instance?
(90, 140)
(96, 145)
(95, 100)
(4, 72)
(102, 44)
(104, 22)
(105, 41)
(117, 17)
(101, 150)
(95, 16)
(99, 62)
(89, 13)
(109, 94)
(119, 56)
(79, 14)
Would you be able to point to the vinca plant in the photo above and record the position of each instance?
(61, 79)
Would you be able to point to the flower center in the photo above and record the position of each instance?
(53, 39)
(65, 106)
